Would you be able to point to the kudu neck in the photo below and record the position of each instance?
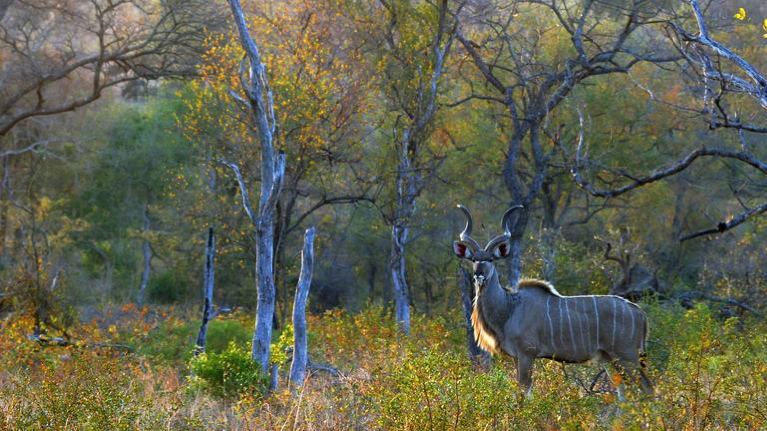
(496, 303)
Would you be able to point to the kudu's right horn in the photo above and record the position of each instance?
(466, 234)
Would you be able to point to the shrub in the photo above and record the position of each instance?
(225, 331)
(171, 343)
(165, 288)
(431, 389)
(228, 374)
(85, 392)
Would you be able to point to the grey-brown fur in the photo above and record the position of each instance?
(535, 321)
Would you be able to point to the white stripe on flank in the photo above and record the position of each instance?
(561, 324)
(580, 326)
(631, 312)
(570, 324)
(583, 331)
(623, 326)
(551, 325)
(588, 327)
(596, 313)
(615, 312)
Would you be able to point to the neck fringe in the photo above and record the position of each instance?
(485, 337)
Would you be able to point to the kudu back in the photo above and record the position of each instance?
(535, 321)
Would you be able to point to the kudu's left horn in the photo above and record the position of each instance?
(506, 231)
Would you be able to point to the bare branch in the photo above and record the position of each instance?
(727, 225)
(243, 190)
(667, 171)
(759, 87)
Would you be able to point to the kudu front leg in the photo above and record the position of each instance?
(525, 373)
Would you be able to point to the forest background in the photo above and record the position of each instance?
(120, 121)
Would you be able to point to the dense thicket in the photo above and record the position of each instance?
(104, 182)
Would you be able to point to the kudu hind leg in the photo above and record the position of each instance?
(632, 370)
(645, 382)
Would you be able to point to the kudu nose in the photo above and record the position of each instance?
(479, 279)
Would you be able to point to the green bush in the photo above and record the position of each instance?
(228, 374)
(165, 288)
(223, 332)
(171, 343)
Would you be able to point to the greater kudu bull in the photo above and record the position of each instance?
(535, 321)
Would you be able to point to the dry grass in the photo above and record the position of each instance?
(709, 374)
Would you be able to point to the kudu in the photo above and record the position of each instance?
(535, 321)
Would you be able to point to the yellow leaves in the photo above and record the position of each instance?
(44, 206)
(743, 16)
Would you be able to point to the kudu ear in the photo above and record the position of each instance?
(463, 249)
(501, 249)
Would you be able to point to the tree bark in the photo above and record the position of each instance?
(208, 284)
(147, 252)
(300, 354)
(255, 86)
(399, 278)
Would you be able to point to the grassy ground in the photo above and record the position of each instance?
(709, 373)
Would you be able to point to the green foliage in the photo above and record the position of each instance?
(173, 341)
(166, 288)
(279, 349)
(227, 374)
(170, 343)
(222, 332)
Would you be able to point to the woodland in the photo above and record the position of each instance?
(243, 214)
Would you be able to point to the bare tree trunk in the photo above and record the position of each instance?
(517, 225)
(408, 145)
(208, 284)
(399, 278)
(261, 105)
(147, 252)
(262, 336)
(300, 354)
(476, 354)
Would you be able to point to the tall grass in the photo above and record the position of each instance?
(709, 373)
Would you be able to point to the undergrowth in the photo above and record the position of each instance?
(709, 373)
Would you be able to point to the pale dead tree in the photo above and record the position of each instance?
(255, 87)
(417, 111)
(721, 65)
(507, 54)
(58, 56)
(208, 283)
(300, 348)
(535, 321)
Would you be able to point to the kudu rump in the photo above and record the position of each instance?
(535, 321)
